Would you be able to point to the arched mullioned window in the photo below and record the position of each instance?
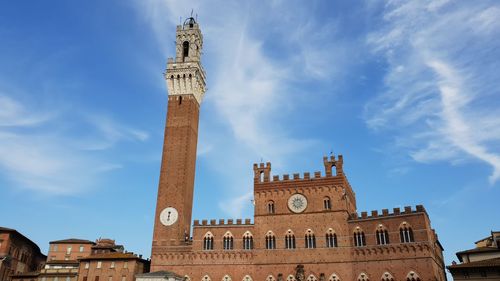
(185, 50)
(310, 239)
(312, 278)
(334, 277)
(331, 239)
(290, 278)
(270, 240)
(387, 277)
(270, 278)
(382, 235)
(226, 278)
(248, 241)
(228, 241)
(359, 237)
(327, 204)
(289, 240)
(206, 278)
(208, 242)
(363, 277)
(247, 278)
(406, 233)
(270, 207)
(412, 276)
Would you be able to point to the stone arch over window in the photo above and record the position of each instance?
(270, 240)
(208, 242)
(363, 277)
(382, 235)
(327, 203)
(289, 240)
(311, 277)
(310, 239)
(412, 276)
(247, 278)
(247, 241)
(359, 237)
(331, 238)
(387, 276)
(270, 207)
(290, 278)
(406, 233)
(334, 277)
(228, 241)
(226, 278)
(206, 278)
(270, 278)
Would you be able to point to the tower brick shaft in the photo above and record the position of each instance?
(186, 86)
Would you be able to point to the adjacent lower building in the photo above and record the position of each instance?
(78, 259)
(69, 249)
(479, 263)
(58, 270)
(113, 266)
(18, 254)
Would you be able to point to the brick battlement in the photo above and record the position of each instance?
(385, 213)
(262, 172)
(222, 222)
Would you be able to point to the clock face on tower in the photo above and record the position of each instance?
(297, 203)
(169, 216)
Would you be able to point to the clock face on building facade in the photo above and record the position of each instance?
(297, 203)
(169, 216)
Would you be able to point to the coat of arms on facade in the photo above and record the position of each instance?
(299, 273)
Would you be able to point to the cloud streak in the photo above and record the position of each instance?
(38, 154)
(441, 90)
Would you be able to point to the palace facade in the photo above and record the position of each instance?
(305, 227)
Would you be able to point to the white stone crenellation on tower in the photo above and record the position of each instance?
(184, 74)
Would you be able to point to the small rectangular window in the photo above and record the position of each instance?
(125, 264)
(68, 250)
(112, 265)
(54, 248)
(87, 265)
(124, 278)
(110, 278)
(68, 278)
(81, 249)
(99, 264)
(56, 278)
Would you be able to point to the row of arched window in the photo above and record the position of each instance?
(270, 240)
(359, 238)
(327, 205)
(382, 235)
(386, 276)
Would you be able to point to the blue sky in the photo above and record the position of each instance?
(407, 91)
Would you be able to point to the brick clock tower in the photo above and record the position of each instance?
(185, 79)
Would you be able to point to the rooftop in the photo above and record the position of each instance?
(484, 263)
(162, 273)
(112, 256)
(72, 241)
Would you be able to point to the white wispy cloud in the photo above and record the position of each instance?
(13, 114)
(441, 94)
(38, 154)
